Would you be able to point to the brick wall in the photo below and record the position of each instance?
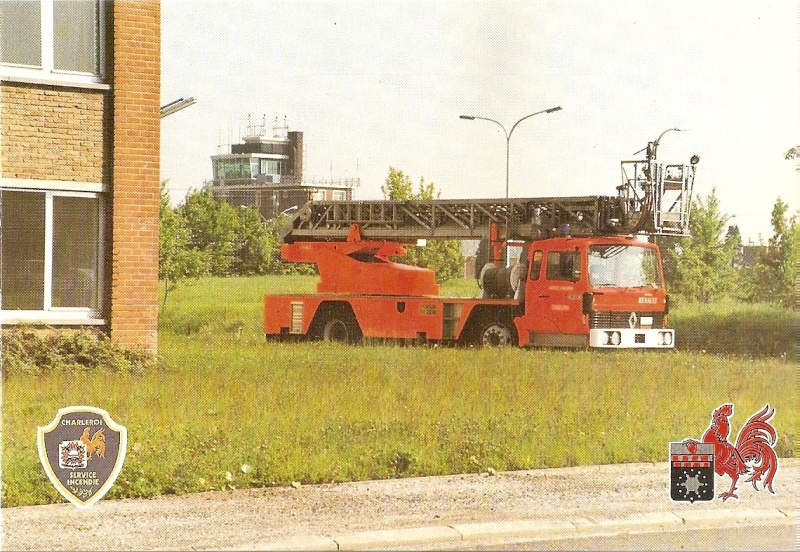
(136, 101)
(54, 133)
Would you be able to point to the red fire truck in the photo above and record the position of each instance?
(587, 275)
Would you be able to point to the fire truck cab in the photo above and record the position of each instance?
(600, 292)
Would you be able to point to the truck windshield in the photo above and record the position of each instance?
(623, 266)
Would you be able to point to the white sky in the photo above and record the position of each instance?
(374, 84)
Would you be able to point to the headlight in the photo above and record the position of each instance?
(665, 338)
(613, 338)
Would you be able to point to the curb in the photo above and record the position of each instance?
(530, 529)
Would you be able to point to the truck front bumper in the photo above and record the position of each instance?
(627, 338)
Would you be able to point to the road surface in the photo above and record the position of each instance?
(456, 511)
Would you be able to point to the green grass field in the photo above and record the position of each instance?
(227, 410)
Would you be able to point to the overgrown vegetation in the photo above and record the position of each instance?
(442, 256)
(773, 277)
(707, 265)
(732, 328)
(206, 237)
(227, 410)
(37, 352)
(704, 260)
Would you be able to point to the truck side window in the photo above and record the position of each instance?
(563, 265)
(536, 265)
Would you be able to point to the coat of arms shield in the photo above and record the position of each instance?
(691, 472)
(82, 451)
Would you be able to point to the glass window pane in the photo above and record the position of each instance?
(623, 266)
(22, 238)
(536, 265)
(21, 32)
(76, 252)
(563, 265)
(75, 35)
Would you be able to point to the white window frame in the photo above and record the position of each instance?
(63, 315)
(47, 73)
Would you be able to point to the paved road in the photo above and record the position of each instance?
(748, 529)
(447, 512)
(766, 537)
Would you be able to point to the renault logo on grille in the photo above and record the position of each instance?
(632, 320)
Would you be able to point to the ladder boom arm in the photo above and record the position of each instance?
(405, 221)
(653, 198)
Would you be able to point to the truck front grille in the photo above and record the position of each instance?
(622, 319)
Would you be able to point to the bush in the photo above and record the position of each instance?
(32, 351)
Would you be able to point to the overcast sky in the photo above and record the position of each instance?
(374, 84)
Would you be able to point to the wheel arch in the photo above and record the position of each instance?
(329, 310)
(484, 315)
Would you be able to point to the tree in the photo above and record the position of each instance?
(398, 186)
(220, 240)
(704, 260)
(251, 244)
(442, 256)
(212, 230)
(276, 263)
(176, 260)
(775, 272)
(670, 247)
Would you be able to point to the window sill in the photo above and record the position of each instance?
(54, 185)
(44, 81)
(39, 318)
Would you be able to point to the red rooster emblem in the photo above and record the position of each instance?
(753, 454)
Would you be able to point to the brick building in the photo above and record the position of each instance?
(79, 169)
(266, 172)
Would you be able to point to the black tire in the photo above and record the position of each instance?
(336, 329)
(340, 326)
(496, 335)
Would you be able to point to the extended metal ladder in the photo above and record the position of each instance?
(515, 219)
(653, 199)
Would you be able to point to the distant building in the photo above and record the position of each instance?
(747, 255)
(266, 172)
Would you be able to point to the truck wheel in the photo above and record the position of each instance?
(336, 329)
(341, 329)
(496, 334)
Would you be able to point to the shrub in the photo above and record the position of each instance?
(33, 351)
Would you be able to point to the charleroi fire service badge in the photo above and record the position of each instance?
(82, 451)
(693, 463)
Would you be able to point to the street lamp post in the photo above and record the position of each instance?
(176, 106)
(652, 147)
(508, 146)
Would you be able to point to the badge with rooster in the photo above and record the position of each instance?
(693, 463)
(82, 451)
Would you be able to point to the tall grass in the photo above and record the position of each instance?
(228, 410)
(729, 327)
